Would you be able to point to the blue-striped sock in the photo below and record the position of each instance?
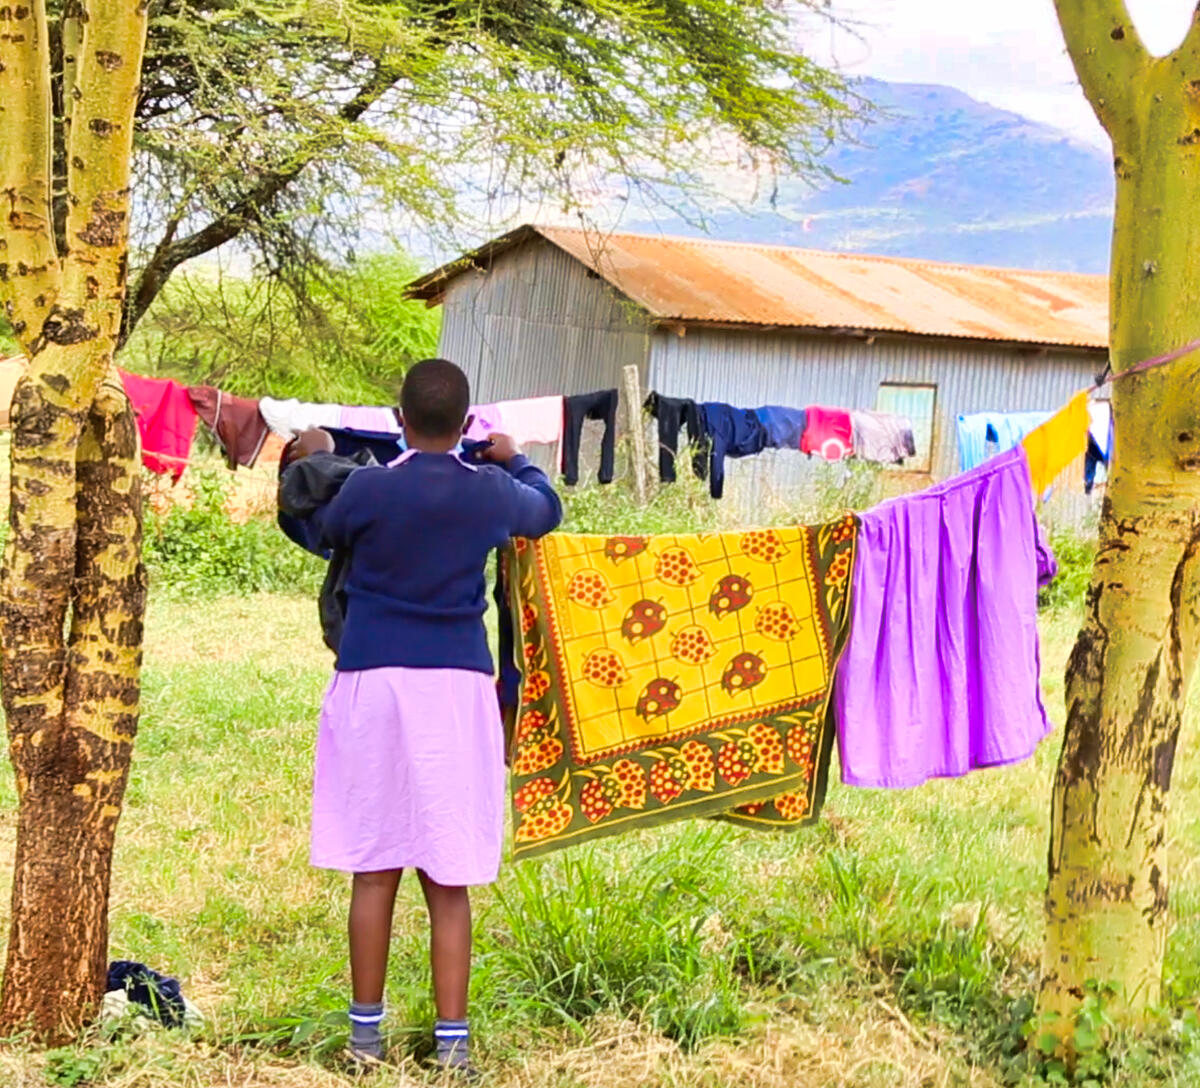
(365, 1036)
(452, 1039)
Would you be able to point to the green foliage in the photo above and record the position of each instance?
(349, 341)
(69, 1067)
(1075, 552)
(8, 343)
(282, 125)
(583, 939)
(198, 550)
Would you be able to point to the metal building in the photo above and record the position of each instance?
(546, 310)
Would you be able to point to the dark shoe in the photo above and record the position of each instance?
(366, 1056)
(456, 1064)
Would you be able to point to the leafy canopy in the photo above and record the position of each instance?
(289, 124)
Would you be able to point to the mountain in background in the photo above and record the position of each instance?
(940, 176)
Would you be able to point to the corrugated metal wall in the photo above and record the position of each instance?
(749, 368)
(539, 323)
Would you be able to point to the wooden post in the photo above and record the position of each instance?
(637, 429)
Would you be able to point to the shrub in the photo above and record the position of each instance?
(198, 549)
(1076, 554)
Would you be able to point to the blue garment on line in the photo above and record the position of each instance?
(784, 426)
(732, 432)
(1005, 429)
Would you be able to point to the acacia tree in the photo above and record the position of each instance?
(254, 121)
(73, 582)
(1129, 674)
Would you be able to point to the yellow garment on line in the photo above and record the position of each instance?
(674, 676)
(1051, 447)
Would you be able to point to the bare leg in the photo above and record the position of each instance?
(371, 905)
(449, 947)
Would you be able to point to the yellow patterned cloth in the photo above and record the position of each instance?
(674, 676)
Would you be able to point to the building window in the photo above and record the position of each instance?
(918, 402)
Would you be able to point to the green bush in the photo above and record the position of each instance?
(1076, 554)
(199, 550)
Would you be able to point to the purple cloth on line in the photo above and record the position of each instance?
(410, 774)
(941, 672)
(364, 418)
(485, 420)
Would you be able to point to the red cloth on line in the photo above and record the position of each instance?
(166, 421)
(828, 433)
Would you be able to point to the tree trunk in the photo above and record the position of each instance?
(1128, 677)
(72, 718)
(73, 589)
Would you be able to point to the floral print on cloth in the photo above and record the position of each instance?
(674, 676)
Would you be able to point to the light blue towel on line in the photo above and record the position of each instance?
(1005, 429)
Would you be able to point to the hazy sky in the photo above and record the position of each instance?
(1009, 53)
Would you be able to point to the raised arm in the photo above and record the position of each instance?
(536, 508)
(1109, 57)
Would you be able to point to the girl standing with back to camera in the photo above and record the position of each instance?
(410, 765)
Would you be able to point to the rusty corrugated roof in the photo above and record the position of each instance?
(735, 283)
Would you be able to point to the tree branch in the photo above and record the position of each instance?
(29, 268)
(99, 153)
(1189, 52)
(1109, 57)
(169, 254)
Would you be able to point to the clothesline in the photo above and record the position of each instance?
(167, 414)
(1106, 376)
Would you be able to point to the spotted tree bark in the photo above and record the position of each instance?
(1129, 674)
(73, 585)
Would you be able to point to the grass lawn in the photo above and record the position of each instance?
(893, 945)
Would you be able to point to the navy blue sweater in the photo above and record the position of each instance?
(418, 536)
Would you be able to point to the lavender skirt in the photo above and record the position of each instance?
(410, 774)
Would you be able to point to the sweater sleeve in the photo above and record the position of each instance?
(534, 506)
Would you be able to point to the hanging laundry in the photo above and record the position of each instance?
(732, 432)
(1051, 447)
(287, 418)
(384, 446)
(941, 670)
(972, 441)
(828, 433)
(784, 426)
(1100, 442)
(1100, 426)
(601, 406)
(166, 422)
(673, 415)
(485, 420)
(379, 420)
(674, 676)
(235, 422)
(882, 437)
(531, 421)
(984, 434)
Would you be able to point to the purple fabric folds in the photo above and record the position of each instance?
(941, 672)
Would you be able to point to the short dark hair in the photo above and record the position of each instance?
(435, 398)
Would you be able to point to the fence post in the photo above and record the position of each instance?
(637, 429)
